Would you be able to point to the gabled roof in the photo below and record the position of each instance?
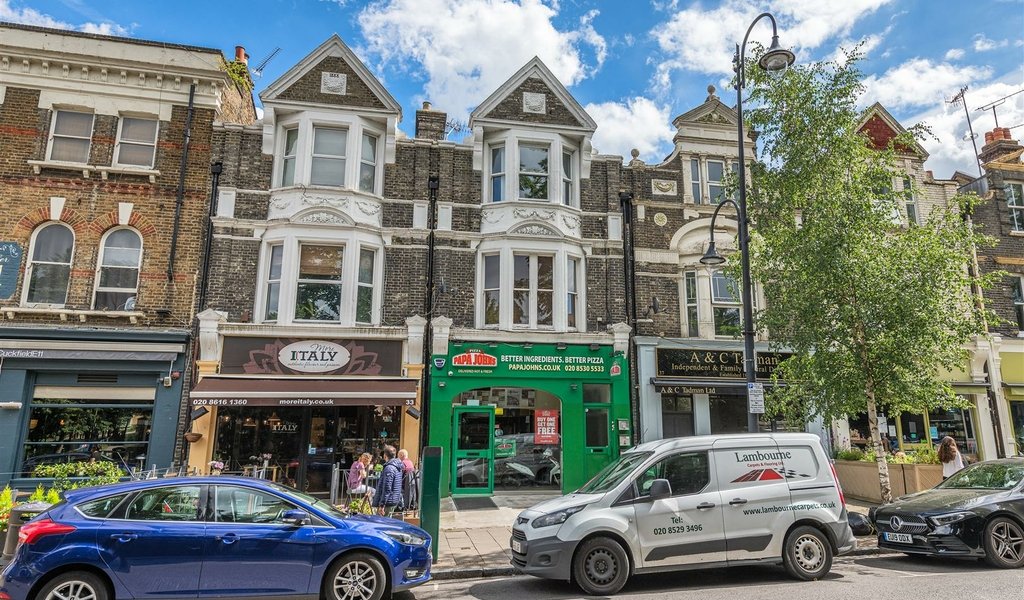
(534, 68)
(332, 47)
(881, 127)
(713, 110)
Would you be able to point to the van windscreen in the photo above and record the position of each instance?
(610, 476)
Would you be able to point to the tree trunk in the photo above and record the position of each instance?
(876, 443)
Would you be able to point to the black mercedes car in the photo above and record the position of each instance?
(978, 512)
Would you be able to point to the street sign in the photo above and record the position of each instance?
(755, 398)
(10, 262)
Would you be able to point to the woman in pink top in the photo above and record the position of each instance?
(357, 476)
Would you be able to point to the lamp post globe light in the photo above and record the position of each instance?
(774, 59)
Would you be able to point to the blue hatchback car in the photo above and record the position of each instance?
(210, 537)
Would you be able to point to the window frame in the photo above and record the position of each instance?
(718, 183)
(534, 290)
(572, 291)
(696, 187)
(503, 254)
(31, 262)
(117, 146)
(364, 134)
(640, 495)
(101, 254)
(547, 146)
(691, 304)
(285, 157)
(1015, 205)
(360, 284)
(1017, 298)
(910, 202)
(270, 281)
(53, 135)
(725, 304)
(484, 290)
(313, 156)
(339, 283)
(499, 178)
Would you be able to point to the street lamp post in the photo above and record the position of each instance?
(775, 59)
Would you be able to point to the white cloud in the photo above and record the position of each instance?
(638, 123)
(465, 49)
(955, 54)
(868, 43)
(30, 16)
(919, 82)
(703, 40)
(952, 150)
(984, 44)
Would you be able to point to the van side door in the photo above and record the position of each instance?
(687, 527)
(756, 501)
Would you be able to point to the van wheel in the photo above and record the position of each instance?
(600, 566)
(76, 585)
(807, 555)
(1004, 543)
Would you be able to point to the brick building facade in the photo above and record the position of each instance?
(100, 259)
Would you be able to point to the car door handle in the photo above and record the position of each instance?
(704, 505)
(737, 501)
(124, 537)
(228, 538)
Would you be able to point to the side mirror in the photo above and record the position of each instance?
(660, 489)
(297, 518)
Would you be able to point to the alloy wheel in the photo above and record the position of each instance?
(72, 590)
(809, 552)
(601, 566)
(1008, 540)
(355, 581)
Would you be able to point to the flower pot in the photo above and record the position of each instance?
(214, 471)
(192, 437)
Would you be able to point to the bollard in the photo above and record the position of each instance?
(430, 495)
(20, 515)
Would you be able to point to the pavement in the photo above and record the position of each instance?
(474, 543)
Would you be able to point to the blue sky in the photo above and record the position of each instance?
(634, 65)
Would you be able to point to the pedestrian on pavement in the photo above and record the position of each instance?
(950, 457)
(389, 486)
(407, 466)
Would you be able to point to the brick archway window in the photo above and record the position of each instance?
(117, 278)
(49, 268)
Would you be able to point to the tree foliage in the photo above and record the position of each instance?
(874, 309)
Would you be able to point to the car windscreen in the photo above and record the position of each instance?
(613, 474)
(992, 476)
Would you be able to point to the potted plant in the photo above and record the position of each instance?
(216, 467)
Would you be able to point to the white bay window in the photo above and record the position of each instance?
(531, 288)
(521, 168)
(339, 152)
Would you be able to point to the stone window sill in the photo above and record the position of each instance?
(1017, 233)
(67, 314)
(87, 170)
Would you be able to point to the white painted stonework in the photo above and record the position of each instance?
(530, 218)
(325, 205)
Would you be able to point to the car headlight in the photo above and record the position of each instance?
(409, 539)
(949, 518)
(557, 518)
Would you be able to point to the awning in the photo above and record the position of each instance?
(668, 385)
(962, 382)
(1012, 371)
(303, 391)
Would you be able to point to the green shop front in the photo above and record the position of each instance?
(527, 416)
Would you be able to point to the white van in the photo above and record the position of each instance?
(694, 502)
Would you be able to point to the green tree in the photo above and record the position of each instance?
(873, 310)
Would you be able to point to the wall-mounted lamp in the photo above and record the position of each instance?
(654, 307)
(10, 405)
(561, 346)
(527, 346)
(595, 347)
(199, 412)
(413, 412)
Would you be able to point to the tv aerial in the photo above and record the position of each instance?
(257, 71)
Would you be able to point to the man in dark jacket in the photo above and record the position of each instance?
(389, 486)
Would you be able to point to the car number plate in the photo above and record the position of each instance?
(899, 538)
(518, 547)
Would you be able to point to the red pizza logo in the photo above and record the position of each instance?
(474, 358)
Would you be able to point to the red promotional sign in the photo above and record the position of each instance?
(474, 358)
(545, 427)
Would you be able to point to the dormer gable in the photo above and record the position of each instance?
(712, 112)
(533, 95)
(881, 128)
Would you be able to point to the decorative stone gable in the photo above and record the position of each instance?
(533, 102)
(332, 81)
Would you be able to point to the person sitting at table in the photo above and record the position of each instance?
(357, 477)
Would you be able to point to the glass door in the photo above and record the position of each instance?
(473, 450)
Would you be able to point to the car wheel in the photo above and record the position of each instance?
(807, 555)
(75, 585)
(1004, 543)
(600, 566)
(357, 576)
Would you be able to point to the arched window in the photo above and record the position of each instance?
(117, 280)
(49, 269)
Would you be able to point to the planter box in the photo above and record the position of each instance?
(860, 479)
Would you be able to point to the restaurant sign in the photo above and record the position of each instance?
(287, 356)
(539, 360)
(714, 364)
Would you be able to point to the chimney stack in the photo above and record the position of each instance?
(998, 142)
(430, 123)
(241, 56)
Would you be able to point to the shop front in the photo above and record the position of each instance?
(527, 416)
(1012, 375)
(291, 410)
(72, 395)
(688, 389)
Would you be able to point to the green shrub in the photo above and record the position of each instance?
(927, 456)
(69, 476)
(6, 504)
(850, 454)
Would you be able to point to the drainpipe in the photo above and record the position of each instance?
(180, 200)
(433, 183)
(628, 258)
(215, 170)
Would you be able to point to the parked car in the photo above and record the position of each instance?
(224, 537)
(694, 502)
(978, 512)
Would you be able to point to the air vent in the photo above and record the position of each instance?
(97, 378)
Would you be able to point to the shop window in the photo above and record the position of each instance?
(1018, 301)
(690, 303)
(318, 288)
(597, 393)
(533, 172)
(676, 416)
(725, 303)
(597, 427)
(497, 173)
(695, 181)
(242, 505)
(117, 280)
(956, 424)
(49, 268)
(136, 142)
(1015, 204)
(291, 142)
(62, 430)
(171, 503)
(687, 473)
(912, 425)
(273, 283)
(728, 413)
(328, 164)
(71, 136)
(368, 164)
